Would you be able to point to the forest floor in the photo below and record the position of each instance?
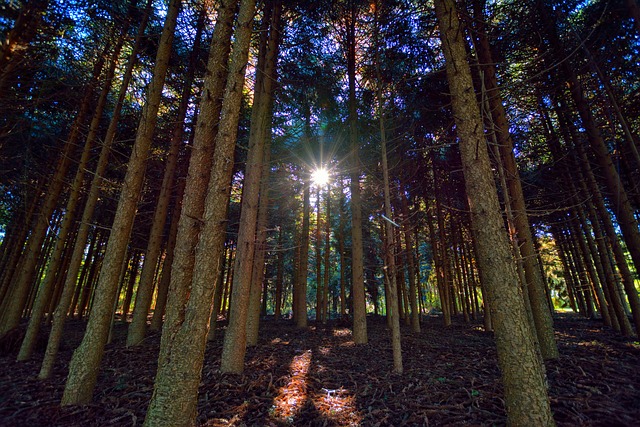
(318, 377)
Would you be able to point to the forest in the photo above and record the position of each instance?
(328, 213)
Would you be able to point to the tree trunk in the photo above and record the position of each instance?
(85, 363)
(60, 313)
(526, 397)
(277, 310)
(300, 286)
(138, 326)
(327, 251)
(357, 250)
(534, 280)
(165, 276)
(174, 400)
(256, 185)
(341, 250)
(411, 264)
(318, 245)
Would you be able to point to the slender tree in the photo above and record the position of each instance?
(146, 286)
(525, 391)
(85, 363)
(174, 399)
(535, 285)
(357, 250)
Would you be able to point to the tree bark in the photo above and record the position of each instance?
(255, 194)
(534, 281)
(174, 400)
(526, 397)
(146, 285)
(85, 363)
(357, 250)
(200, 167)
(300, 286)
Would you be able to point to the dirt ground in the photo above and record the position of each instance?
(318, 377)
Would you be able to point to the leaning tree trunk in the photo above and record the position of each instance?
(534, 281)
(523, 376)
(174, 400)
(144, 295)
(53, 270)
(60, 313)
(199, 172)
(235, 338)
(85, 363)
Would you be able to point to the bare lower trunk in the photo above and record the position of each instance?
(85, 363)
(525, 392)
(174, 399)
(138, 326)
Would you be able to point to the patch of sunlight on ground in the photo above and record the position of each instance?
(343, 332)
(338, 404)
(292, 396)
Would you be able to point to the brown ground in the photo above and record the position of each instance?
(319, 377)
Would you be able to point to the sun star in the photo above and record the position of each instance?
(320, 176)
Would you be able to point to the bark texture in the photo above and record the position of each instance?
(85, 363)
(174, 400)
(526, 397)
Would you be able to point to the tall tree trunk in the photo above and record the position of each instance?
(357, 250)
(300, 285)
(277, 310)
(411, 264)
(392, 297)
(174, 400)
(60, 313)
(165, 275)
(138, 326)
(199, 173)
(327, 251)
(341, 250)
(53, 270)
(534, 280)
(318, 245)
(134, 266)
(255, 194)
(85, 363)
(525, 391)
